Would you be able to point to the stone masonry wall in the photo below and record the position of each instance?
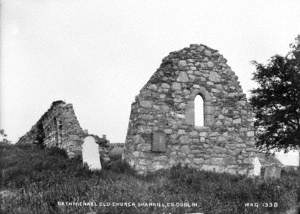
(58, 127)
(165, 108)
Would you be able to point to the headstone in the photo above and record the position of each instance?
(256, 167)
(90, 153)
(272, 172)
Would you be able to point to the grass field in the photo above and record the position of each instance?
(38, 180)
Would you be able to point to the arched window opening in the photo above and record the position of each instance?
(199, 110)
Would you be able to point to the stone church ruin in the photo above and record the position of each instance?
(165, 128)
(59, 127)
(191, 112)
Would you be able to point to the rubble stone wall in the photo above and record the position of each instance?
(58, 127)
(162, 132)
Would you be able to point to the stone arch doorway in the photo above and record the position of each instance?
(90, 153)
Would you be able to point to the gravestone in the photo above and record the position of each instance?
(272, 172)
(256, 167)
(90, 153)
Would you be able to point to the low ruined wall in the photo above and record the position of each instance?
(58, 127)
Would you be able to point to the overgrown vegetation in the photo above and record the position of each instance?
(276, 101)
(39, 179)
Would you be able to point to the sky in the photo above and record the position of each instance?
(97, 54)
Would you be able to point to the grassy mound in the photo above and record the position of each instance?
(46, 181)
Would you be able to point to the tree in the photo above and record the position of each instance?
(3, 139)
(276, 101)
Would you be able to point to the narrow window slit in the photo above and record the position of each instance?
(199, 110)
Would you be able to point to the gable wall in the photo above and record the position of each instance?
(166, 104)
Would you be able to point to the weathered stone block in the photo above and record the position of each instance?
(153, 87)
(185, 149)
(157, 166)
(162, 96)
(144, 147)
(182, 63)
(183, 77)
(168, 131)
(159, 142)
(146, 104)
(207, 52)
(203, 134)
(194, 134)
(214, 77)
(136, 153)
(210, 64)
(198, 160)
(237, 121)
(181, 131)
(250, 133)
(176, 86)
(165, 85)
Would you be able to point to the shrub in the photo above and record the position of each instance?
(116, 153)
(120, 166)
